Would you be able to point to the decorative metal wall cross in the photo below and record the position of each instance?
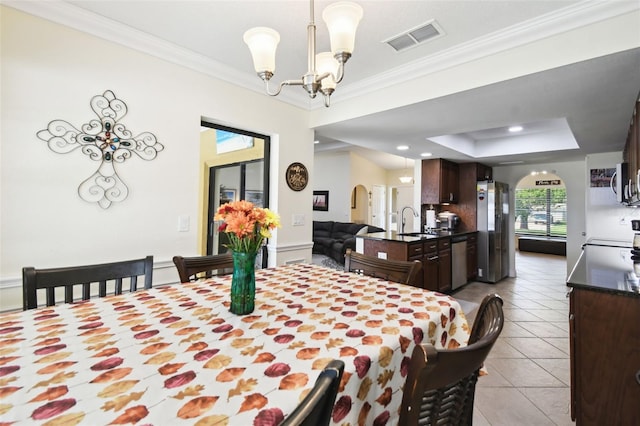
(105, 140)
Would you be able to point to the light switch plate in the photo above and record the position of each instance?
(298, 219)
(382, 255)
(183, 223)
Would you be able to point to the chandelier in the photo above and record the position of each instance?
(325, 70)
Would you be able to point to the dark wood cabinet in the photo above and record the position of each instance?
(468, 176)
(604, 334)
(483, 172)
(435, 255)
(444, 265)
(439, 181)
(631, 153)
(472, 256)
(430, 265)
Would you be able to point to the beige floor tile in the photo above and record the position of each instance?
(557, 367)
(502, 349)
(554, 402)
(523, 372)
(519, 314)
(550, 314)
(508, 407)
(543, 329)
(513, 329)
(561, 343)
(535, 348)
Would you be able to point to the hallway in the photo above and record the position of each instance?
(528, 381)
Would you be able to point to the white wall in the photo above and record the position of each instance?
(339, 173)
(574, 176)
(331, 173)
(51, 72)
(607, 219)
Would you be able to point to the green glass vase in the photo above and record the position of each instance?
(243, 283)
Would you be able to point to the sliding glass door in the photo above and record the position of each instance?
(237, 163)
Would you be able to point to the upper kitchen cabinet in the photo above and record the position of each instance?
(439, 181)
(631, 152)
(483, 172)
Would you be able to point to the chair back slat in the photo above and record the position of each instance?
(69, 277)
(317, 406)
(194, 268)
(440, 385)
(393, 270)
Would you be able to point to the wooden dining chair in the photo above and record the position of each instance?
(191, 268)
(441, 383)
(75, 276)
(316, 407)
(393, 270)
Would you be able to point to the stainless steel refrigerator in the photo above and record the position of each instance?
(492, 200)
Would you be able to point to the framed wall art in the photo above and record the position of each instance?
(321, 200)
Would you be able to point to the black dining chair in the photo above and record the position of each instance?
(316, 407)
(404, 272)
(191, 268)
(114, 273)
(441, 383)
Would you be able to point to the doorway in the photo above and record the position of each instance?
(236, 167)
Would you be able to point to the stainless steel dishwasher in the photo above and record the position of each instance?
(458, 261)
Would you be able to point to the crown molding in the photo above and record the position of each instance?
(557, 22)
(562, 20)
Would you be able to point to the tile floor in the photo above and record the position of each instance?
(528, 381)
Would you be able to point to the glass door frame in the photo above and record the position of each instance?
(212, 188)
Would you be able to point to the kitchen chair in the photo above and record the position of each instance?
(190, 267)
(441, 383)
(316, 408)
(393, 270)
(73, 276)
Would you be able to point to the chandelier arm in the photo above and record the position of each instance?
(322, 76)
(281, 85)
(340, 72)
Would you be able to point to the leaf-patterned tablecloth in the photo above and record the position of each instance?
(175, 354)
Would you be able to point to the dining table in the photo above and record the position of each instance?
(175, 354)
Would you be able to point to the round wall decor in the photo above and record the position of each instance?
(297, 176)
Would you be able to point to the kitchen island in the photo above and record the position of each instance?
(604, 331)
(433, 249)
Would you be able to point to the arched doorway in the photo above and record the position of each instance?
(540, 214)
(359, 205)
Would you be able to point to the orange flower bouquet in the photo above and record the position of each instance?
(245, 225)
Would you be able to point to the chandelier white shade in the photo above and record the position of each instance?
(325, 70)
(262, 42)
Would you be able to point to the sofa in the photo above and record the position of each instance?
(334, 238)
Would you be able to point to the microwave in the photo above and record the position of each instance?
(620, 183)
(625, 185)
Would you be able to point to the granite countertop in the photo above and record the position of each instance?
(607, 266)
(410, 237)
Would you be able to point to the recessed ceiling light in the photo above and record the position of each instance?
(514, 129)
(426, 154)
(402, 147)
(316, 141)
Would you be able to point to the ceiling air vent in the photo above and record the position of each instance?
(415, 36)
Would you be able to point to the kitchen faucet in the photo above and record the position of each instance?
(415, 213)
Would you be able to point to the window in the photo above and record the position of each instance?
(541, 211)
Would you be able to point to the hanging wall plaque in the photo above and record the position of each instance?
(297, 176)
(105, 140)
